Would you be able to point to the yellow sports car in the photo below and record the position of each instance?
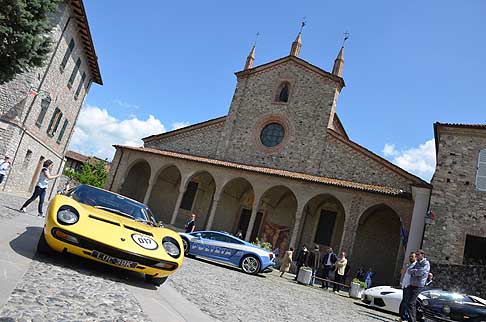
(112, 229)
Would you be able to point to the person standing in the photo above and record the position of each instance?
(340, 272)
(191, 224)
(369, 277)
(302, 259)
(405, 284)
(418, 277)
(4, 167)
(286, 261)
(315, 262)
(328, 262)
(41, 187)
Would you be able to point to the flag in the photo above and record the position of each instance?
(403, 236)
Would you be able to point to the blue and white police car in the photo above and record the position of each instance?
(223, 247)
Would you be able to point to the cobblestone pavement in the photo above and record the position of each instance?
(230, 295)
(10, 204)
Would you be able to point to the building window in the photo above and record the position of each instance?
(272, 135)
(474, 253)
(80, 85)
(63, 129)
(481, 171)
(325, 228)
(28, 157)
(74, 73)
(54, 123)
(189, 196)
(283, 92)
(44, 106)
(67, 54)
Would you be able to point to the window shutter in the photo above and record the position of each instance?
(74, 73)
(68, 52)
(80, 85)
(481, 173)
(44, 106)
(63, 129)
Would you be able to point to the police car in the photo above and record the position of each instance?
(223, 247)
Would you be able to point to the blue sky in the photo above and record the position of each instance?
(166, 64)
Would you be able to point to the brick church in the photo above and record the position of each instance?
(280, 166)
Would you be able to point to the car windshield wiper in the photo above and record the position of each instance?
(149, 222)
(116, 211)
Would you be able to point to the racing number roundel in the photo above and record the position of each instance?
(145, 241)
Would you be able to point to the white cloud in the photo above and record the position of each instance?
(178, 125)
(389, 150)
(419, 160)
(126, 104)
(96, 132)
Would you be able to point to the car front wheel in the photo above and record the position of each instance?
(157, 281)
(185, 243)
(43, 247)
(250, 265)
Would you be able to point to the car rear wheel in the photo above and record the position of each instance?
(250, 265)
(185, 243)
(43, 247)
(157, 281)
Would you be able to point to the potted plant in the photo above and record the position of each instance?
(357, 288)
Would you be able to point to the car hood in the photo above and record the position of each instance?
(113, 230)
(383, 291)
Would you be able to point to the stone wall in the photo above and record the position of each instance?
(201, 141)
(304, 117)
(342, 161)
(23, 138)
(459, 207)
(467, 279)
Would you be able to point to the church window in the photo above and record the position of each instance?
(74, 73)
(283, 93)
(272, 135)
(189, 196)
(67, 54)
(481, 171)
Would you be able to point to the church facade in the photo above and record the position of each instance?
(281, 168)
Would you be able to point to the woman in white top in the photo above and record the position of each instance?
(41, 187)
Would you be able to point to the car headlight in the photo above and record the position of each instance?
(67, 215)
(425, 303)
(446, 309)
(171, 246)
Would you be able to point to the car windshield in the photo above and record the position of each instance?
(111, 202)
(447, 296)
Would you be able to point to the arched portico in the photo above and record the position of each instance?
(136, 181)
(276, 217)
(164, 193)
(324, 218)
(197, 198)
(377, 244)
(234, 207)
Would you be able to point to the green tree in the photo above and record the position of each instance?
(93, 173)
(24, 35)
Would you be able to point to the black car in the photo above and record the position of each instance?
(440, 305)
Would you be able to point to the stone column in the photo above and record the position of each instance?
(182, 190)
(297, 224)
(254, 211)
(149, 191)
(353, 211)
(214, 206)
(421, 197)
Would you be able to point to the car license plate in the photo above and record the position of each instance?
(113, 260)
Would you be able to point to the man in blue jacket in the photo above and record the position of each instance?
(419, 272)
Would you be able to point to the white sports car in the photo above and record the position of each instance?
(386, 298)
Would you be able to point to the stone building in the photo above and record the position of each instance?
(280, 167)
(75, 161)
(455, 237)
(39, 109)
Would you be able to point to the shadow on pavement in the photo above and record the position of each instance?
(375, 316)
(26, 245)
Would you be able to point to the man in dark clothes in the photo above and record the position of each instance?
(302, 259)
(328, 262)
(191, 224)
(314, 262)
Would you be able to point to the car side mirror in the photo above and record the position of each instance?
(160, 224)
(198, 235)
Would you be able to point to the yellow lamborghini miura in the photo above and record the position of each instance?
(112, 229)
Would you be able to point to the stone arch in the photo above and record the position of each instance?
(234, 207)
(324, 217)
(197, 199)
(278, 206)
(377, 244)
(136, 180)
(165, 191)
